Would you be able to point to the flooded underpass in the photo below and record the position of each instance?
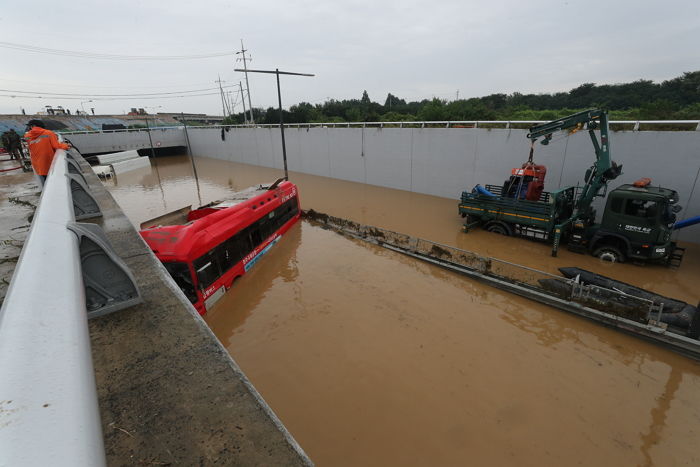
(372, 358)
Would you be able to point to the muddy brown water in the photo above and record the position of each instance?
(373, 358)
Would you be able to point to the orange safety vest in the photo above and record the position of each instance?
(42, 147)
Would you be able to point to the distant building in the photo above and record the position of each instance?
(134, 111)
(193, 118)
(113, 126)
(58, 110)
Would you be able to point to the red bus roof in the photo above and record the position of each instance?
(213, 223)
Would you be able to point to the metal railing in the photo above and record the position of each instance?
(634, 125)
(67, 272)
(48, 401)
(124, 130)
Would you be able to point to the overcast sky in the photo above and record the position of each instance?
(412, 49)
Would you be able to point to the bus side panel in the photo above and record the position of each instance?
(216, 257)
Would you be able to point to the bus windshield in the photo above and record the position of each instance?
(180, 273)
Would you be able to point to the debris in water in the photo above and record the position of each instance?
(441, 252)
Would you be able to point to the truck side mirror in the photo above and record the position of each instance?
(677, 208)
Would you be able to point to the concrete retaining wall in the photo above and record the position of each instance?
(445, 161)
(91, 143)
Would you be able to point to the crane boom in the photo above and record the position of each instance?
(603, 170)
(546, 129)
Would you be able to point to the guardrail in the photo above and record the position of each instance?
(636, 125)
(124, 130)
(66, 273)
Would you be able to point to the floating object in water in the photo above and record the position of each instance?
(104, 171)
(130, 164)
(674, 312)
(113, 157)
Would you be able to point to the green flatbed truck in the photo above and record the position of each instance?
(636, 224)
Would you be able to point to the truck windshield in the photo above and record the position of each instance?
(641, 208)
(180, 273)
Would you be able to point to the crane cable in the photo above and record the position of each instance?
(532, 152)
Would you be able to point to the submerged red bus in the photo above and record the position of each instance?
(221, 241)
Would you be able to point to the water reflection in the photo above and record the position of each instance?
(659, 414)
(280, 263)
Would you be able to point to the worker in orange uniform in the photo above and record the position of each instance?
(42, 147)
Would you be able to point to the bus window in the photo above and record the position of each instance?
(233, 248)
(220, 256)
(207, 270)
(242, 242)
(263, 227)
(180, 273)
(255, 236)
(291, 208)
(226, 255)
(284, 213)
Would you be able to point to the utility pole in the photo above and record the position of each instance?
(150, 140)
(247, 85)
(223, 100)
(232, 103)
(245, 118)
(189, 151)
(279, 97)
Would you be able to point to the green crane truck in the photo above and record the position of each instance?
(636, 223)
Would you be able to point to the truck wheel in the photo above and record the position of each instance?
(499, 228)
(609, 253)
(694, 329)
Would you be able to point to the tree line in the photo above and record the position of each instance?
(674, 99)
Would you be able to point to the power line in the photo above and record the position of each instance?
(101, 87)
(59, 94)
(103, 56)
(108, 98)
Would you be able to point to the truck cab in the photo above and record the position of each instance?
(636, 224)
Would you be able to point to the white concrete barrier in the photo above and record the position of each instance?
(445, 161)
(441, 161)
(131, 164)
(48, 401)
(123, 140)
(117, 157)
